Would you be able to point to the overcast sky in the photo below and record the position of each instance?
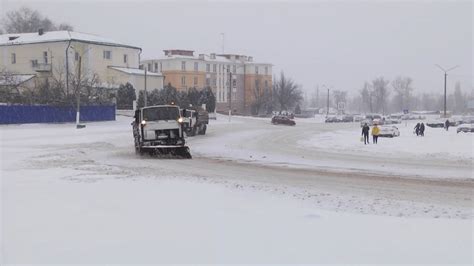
(341, 44)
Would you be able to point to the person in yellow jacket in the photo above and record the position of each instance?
(375, 133)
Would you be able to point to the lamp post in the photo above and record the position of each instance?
(78, 89)
(230, 86)
(327, 102)
(445, 81)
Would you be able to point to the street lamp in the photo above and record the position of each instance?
(327, 104)
(445, 78)
(78, 90)
(230, 85)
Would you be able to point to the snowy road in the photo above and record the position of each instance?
(246, 174)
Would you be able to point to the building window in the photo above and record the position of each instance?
(266, 84)
(234, 69)
(107, 55)
(256, 83)
(13, 58)
(208, 82)
(256, 70)
(156, 67)
(234, 83)
(183, 65)
(34, 63)
(76, 56)
(195, 81)
(208, 68)
(266, 71)
(45, 57)
(214, 68)
(183, 80)
(125, 58)
(161, 67)
(196, 66)
(149, 67)
(214, 82)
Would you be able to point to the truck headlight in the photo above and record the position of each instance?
(180, 120)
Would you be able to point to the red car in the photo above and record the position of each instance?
(279, 119)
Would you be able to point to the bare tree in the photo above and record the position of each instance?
(286, 93)
(366, 97)
(339, 96)
(380, 93)
(262, 97)
(26, 20)
(403, 88)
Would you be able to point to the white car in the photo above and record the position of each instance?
(389, 131)
(465, 128)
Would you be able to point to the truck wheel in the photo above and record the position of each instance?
(202, 130)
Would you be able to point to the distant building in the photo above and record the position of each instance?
(43, 55)
(183, 70)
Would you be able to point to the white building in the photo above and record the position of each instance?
(58, 54)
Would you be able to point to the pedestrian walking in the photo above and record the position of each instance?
(375, 133)
(422, 129)
(446, 125)
(365, 133)
(417, 129)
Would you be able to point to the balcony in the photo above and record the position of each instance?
(41, 67)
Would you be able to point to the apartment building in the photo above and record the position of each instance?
(183, 70)
(60, 54)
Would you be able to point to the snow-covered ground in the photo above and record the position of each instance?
(437, 143)
(82, 196)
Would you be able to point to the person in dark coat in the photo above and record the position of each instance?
(446, 124)
(365, 133)
(417, 129)
(422, 129)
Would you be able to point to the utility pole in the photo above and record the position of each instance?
(145, 94)
(327, 108)
(223, 41)
(445, 81)
(78, 94)
(230, 93)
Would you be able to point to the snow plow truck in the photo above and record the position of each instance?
(195, 121)
(158, 130)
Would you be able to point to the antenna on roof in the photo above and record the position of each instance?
(223, 41)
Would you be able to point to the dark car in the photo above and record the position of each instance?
(278, 119)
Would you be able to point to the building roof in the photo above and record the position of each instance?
(224, 58)
(135, 71)
(57, 36)
(15, 79)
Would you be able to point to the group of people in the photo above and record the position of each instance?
(375, 133)
(420, 129)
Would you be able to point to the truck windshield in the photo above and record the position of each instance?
(160, 113)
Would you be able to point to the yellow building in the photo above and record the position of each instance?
(183, 70)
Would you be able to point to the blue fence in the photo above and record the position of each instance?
(22, 114)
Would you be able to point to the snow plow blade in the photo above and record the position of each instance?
(170, 152)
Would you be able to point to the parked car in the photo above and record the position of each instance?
(465, 128)
(280, 119)
(347, 118)
(468, 120)
(390, 121)
(389, 131)
(435, 124)
(332, 119)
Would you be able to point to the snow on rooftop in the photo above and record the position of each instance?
(57, 36)
(135, 71)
